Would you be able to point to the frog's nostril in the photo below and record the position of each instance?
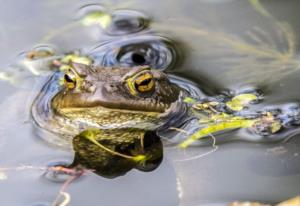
(138, 58)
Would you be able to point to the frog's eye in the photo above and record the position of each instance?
(70, 79)
(144, 82)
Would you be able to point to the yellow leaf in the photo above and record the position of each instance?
(238, 102)
(291, 202)
(139, 158)
(97, 17)
(76, 59)
(233, 124)
(189, 100)
(276, 126)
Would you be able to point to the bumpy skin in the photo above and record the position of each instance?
(107, 87)
(104, 101)
(104, 98)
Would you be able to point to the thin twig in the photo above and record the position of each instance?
(214, 146)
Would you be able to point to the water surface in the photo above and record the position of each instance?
(211, 37)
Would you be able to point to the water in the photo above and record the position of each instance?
(211, 40)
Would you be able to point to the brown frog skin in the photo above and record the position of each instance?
(115, 97)
(119, 108)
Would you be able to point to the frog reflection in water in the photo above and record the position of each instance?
(113, 113)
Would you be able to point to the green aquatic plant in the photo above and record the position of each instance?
(231, 123)
(213, 120)
(255, 56)
(238, 102)
(76, 58)
(97, 17)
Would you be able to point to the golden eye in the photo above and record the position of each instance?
(70, 79)
(144, 82)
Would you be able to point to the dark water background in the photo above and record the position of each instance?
(201, 30)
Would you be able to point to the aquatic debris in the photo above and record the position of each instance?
(63, 198)
(3, 176)
(113, 22)
(76, 57)
(213, 128)
(247, 204)
(267, 124)
(66, 199)
(10, 77)
(215, 147)
(38, 54)
(38, 60)
(189, 100)
(75, 174)
(97, 17)
(238, 102)
(278, 150)
(42, 61)
(214, 116)
(291, 202)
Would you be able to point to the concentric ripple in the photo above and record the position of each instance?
(154, 51)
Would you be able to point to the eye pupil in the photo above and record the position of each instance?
(142, 83)
(68, 79)
(145, 82)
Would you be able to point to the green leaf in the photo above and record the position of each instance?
(238, 102)
(97, 17)
(232, 124)
(77, 59)
(189, 100)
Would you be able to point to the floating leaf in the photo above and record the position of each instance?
(76, 59)
(38, 54)
(238, 102)
(5, 76)
(63, 199)
(233, 124)
(291, 202)
(189, 100)
(267, 124)
(3, 176)
(208, 106)
(275, 126)
(97, 17)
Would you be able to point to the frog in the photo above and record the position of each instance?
(110, 115)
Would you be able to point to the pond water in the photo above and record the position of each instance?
(220, 45)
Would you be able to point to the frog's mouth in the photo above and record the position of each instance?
(67, 103)
(105, 118)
